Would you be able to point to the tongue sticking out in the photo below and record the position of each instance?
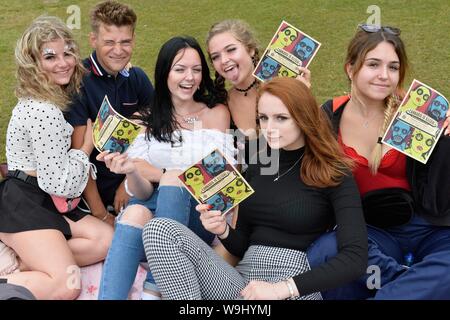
(232, 74)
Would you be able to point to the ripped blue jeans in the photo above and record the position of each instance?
(127, 250)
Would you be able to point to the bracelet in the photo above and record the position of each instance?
(226, 229)
(106, 216)
(290, 288)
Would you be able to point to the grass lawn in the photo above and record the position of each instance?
(425, 29)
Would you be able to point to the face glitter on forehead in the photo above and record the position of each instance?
(46, 51)
(68, 48)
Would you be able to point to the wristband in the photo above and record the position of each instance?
(106, 216)
(226, 229)
(290, 288)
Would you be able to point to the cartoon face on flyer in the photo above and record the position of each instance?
(418, 123)
(111, 131)
(213, 180)
(289, 49)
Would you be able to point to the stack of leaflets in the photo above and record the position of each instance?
(112, 131)
(418, 123)
(213, 180)
(289, 49)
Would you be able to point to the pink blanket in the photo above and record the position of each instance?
(90, 282)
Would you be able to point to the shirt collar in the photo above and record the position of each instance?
(99, 70)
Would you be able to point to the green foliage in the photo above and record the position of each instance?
(425, 28)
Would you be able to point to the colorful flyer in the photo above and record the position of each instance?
(418, 122)
(213, 180)
(112, 131)
(289, 49)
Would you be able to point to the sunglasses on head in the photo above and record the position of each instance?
(372, 28)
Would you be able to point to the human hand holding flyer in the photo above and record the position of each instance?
(418, 122)
(289, 49)
(213, 180)
(112, 131)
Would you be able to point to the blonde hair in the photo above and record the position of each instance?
(239, 29)
(359, 46)
(31, 79)
(242, 32)
(391, 105)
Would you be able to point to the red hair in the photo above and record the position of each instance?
(324, 163)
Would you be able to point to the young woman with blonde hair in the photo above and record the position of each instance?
(50, 245)
(234, 53)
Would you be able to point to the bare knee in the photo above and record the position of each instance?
(106, 240)
(102, 240)
(66, 294)
(66, 286)
(136, 215)
(170, 178)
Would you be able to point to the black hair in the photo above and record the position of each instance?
(159, 118)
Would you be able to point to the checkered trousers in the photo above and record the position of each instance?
(185, 267)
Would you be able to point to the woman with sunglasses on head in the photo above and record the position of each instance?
(408, 225)
(310, 190)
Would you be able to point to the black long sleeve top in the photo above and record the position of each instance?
(289, 214)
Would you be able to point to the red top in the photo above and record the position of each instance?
(391, 173)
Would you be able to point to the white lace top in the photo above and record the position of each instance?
(38, 138)
(194, 146)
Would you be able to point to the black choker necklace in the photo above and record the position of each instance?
(247, 89)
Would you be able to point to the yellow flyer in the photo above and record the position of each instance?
(213, 180)
(418, 122)
(112, 131)
(289, 49)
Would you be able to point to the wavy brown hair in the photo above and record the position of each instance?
(31, 79)
(324, 163)
(362, 43)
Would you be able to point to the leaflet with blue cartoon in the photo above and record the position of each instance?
(213, 180)
(289, 49)
(112, 131)
(418, 123)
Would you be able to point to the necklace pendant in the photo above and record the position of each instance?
(288, 170)
(190, 120)
(245, 94)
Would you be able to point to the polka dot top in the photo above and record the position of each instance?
(38, 138)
